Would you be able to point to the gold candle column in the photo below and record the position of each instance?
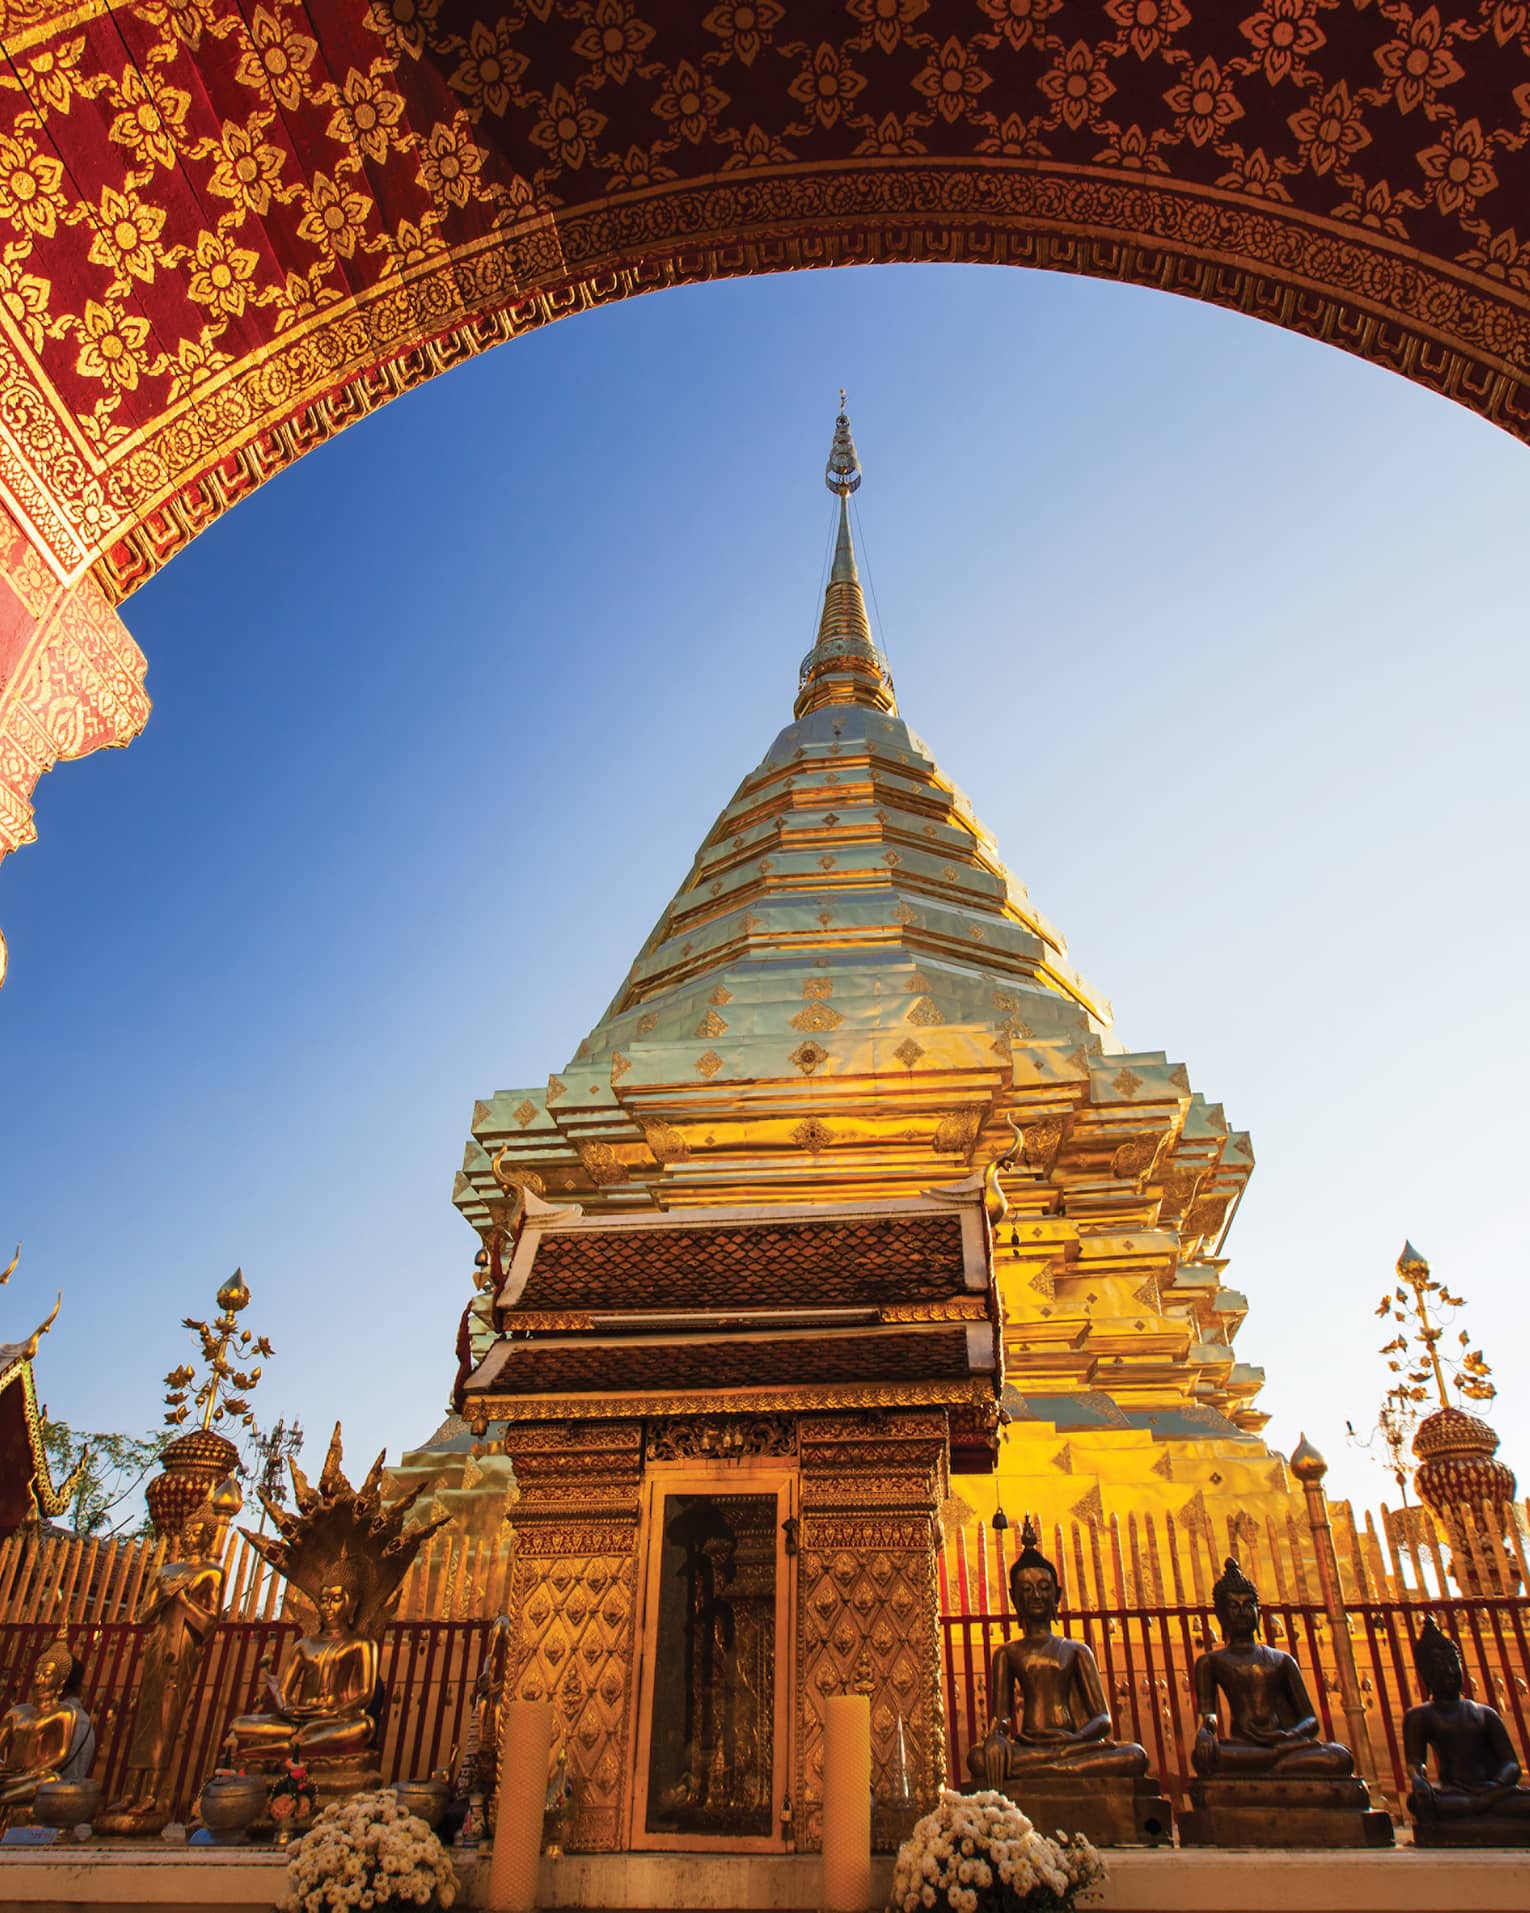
(524, 1754)
(847, 1804)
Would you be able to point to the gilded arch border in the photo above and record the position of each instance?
(1347, 169)
(1444, 328)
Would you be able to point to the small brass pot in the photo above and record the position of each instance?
(67, 1803)
(230, 1802)
(428, 1799)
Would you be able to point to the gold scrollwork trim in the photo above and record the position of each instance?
(1430, 320)
(553, 1408)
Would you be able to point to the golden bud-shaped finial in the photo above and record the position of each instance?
(227, 1498)
(1410, 1262)
(235, 1294)
(1306, 1463)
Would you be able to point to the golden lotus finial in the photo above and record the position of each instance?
(221, 1342)
(227, 1498)
(1414, 1308)
(1306, 1463)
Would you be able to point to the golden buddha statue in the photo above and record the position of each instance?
(345, 1553)
(47, 1736)
(1475, 1797)
(323, 1704)
(180, 1615)
(1271, 1726)
(1065, 1729)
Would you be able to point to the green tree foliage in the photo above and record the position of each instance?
(108, 1498)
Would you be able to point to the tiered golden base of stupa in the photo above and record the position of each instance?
(851, 999)
(471, 1479)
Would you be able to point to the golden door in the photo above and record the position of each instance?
(715, 1659)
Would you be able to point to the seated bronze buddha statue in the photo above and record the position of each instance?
(1271, 1726)
(1475, 1797)
(1054, 1684)
(1269, 1780)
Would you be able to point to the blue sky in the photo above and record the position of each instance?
(1221, 629)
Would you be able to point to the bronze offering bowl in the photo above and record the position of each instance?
(428, 1799)
(230, 1802)
(67, 1803)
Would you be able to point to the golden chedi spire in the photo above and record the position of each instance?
(850, 997)
(845, 665)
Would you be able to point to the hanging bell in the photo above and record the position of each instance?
(1000, 1519)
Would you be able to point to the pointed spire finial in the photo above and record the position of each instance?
(842, 474)
(845, 666)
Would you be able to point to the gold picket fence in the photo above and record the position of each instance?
(1139, 1592)
(62, 1580)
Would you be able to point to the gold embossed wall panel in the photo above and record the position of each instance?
(867, 1616)
(575, 1593)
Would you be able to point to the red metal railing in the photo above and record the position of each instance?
(427, 1668)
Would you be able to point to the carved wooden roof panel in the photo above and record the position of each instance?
(794, 1265)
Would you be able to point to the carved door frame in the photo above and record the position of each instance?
(745, 1476)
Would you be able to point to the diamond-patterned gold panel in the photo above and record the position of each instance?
(867, 1617)
(576, 1615)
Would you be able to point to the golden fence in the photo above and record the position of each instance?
(91, 1592)
(1138, 1591)
(62, 1580)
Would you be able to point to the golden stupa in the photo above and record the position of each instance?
(851, 997)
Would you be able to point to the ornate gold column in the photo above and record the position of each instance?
(868, 1596)
(1309, 1468)
(574, 1597)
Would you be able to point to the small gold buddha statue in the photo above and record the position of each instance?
(179, 1617)
(1475, 1797)
(1065, 1729)
(323, 1704)
(1271, 1727)
(47, 1736)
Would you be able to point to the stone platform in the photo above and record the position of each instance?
(102, 1878)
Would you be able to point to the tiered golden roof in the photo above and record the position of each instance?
(851, 997)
